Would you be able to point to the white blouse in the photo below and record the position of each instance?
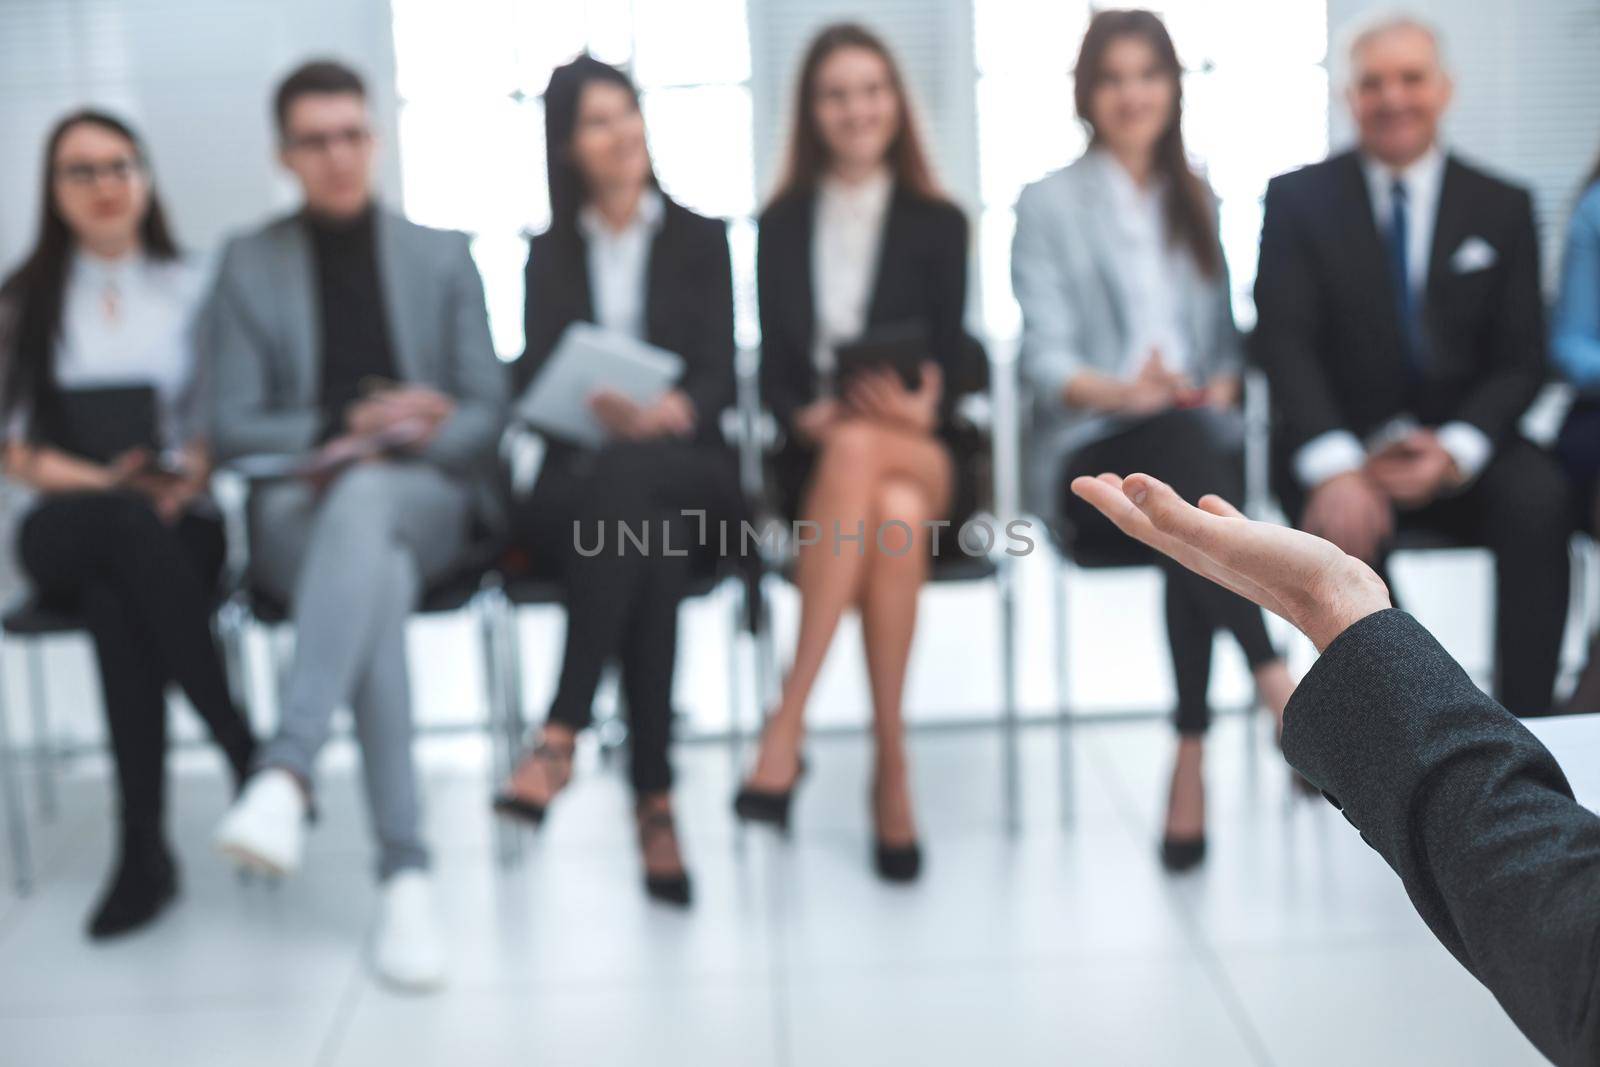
(619, 261)
(844, 261)
(1149, 266)
(129, 322)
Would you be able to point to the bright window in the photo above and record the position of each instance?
(472, 153)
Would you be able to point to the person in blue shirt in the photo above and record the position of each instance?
(1575, 343)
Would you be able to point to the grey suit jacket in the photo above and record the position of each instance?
(260, 335)
(1473, 814)
(1064, 271)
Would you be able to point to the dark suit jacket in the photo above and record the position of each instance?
(688, 305)
(922, 275)
(1471, 811)
(1327, 334)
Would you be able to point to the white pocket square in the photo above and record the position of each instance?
(1474, 254)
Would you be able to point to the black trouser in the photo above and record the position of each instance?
(145, 590)
(622, 601)
(1519, 509)
(1196, 452)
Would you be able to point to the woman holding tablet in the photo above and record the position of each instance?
(1130, 351)
(104, 301)
(619, 253)
(859, 241)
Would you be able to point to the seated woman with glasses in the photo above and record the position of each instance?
(621, 254)
(104, 302)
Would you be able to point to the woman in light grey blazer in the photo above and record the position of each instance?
(1131, 358)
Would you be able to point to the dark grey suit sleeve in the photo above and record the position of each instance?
(238, 355)
(1471, 811)
(474, 375)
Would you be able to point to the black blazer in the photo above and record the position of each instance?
(922, 275)
(688, 305)
(1473, 814)
(1327, 334)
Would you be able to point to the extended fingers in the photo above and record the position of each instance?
(1171, 514)
(1217, 506)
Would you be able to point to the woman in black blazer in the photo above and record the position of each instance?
(859, 241)
(619, 253)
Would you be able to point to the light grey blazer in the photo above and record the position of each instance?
(1065, 274)
(261, 338)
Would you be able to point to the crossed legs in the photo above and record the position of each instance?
(882, 483)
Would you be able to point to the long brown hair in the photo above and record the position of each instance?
(1190, 215)
(808, 152)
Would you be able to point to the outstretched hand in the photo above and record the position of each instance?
(1295, 575)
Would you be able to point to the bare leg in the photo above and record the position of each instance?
(856, 457)
(889, 615)
(547, 768)
(1186, 803)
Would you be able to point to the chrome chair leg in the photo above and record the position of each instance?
(1063, 639)
(44, 754)
(1011, 800)
(500, 754)
(16, 816)
(736, 688)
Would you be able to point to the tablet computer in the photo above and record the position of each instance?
(901, 346)
(586, 360)
(100, 423)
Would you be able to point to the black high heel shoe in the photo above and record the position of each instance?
(558, 770)
(668, 888)
(897, 863)
(894, 863)
(766, 805)
(1182, 853)
(144, 884)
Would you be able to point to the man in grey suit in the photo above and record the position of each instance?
(1455, 794)
(348, 336)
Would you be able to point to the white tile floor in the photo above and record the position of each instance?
(1294, 945)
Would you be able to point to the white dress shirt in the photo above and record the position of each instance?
(844, 261)
(1148, 264)
(1339, 451)
(619, 261)
(129, 322)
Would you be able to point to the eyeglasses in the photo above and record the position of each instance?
(87, 174)
(321, 143)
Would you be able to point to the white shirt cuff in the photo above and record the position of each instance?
(1326, 455)
(1468, 446)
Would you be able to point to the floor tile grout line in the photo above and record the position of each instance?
(1232, 1001)
(777, 896)
(344, 1014)
(44, 866)
(1204, 952)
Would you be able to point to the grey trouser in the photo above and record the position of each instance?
(352, 564)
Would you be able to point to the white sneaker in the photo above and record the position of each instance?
(407, 951)
(266, 827)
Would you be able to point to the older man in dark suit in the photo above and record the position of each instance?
(1402, 331)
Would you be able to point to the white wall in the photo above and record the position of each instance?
(195, 77)
(1527, 94)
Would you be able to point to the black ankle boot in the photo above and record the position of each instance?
(144, 883)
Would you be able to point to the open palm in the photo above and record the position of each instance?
(1297, 576)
